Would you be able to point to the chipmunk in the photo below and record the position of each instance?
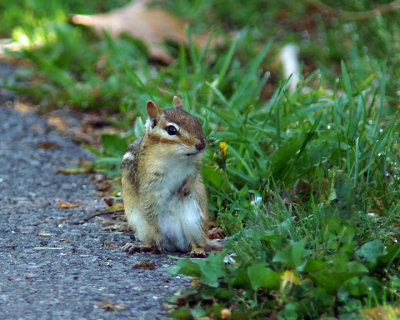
(164, 197)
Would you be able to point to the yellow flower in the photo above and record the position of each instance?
(289, 278)
(223, 147)
(225, 313)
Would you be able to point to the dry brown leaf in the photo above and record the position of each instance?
(44, 234)
(109, 225)
(119, 215)
(215, 233)
(109, 201)
(102, 184)
(152, 25)
(65, 240)
(111, 306)
(90, 123)
(58, 122)
(144, 265)
(114, 208)
(48, 145)
(110, 245)
(23, 107)
(66, 205)
(76, 170)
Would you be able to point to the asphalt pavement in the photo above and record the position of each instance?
(53, 264)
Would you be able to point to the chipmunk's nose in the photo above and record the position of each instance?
(201, 146)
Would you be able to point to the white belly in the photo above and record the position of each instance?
(181, 223)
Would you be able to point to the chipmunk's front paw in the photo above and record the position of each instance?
(132, 248)
(198, 252)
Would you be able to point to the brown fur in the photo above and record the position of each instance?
(145, 170)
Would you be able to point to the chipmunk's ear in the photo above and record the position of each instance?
(178, 103)
(153, 110)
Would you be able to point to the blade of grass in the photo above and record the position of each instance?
(118, 61)
(229, 56)
(58, 75)
(356, 163)
(349, 93)
(357, 117)
(192, 50)
(382, 99)
(242, 161)
(242, 90)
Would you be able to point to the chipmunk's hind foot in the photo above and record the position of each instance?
(198, 252)
(132, 248)
(211, 246)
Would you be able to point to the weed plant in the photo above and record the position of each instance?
(305, 184)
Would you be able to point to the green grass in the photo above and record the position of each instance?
(308, 191)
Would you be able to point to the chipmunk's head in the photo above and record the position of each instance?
(175, 130)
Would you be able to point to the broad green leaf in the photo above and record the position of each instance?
(240, 279)
(321, 297)
(211, 269)
(280, 158)
(262, 277)
(216, 177)
(371, 250)
(108, 161)
(114, 145)
(275, 240)
(331, 277)
(197, 311)
(185, 266)
(225, 294)
(293, 255)
(393, 254)
(139, 128)
(181, 313)
(314, 265)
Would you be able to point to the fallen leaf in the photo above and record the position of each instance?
(48, 145)
(109, 201)
(109, 225)
(92, 122)
(23, 107)
(102, 183)
(104, 186)
(44, 234)
(119, 215)
(215, 233)
(110, 306)
(65, 240)
(10, 279)
(144, 265)
(58, 122)
(114, 208)
(110, 245)
(66, 205)
(152, 25)
(75, 170)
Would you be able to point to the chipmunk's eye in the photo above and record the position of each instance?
(171, 130)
